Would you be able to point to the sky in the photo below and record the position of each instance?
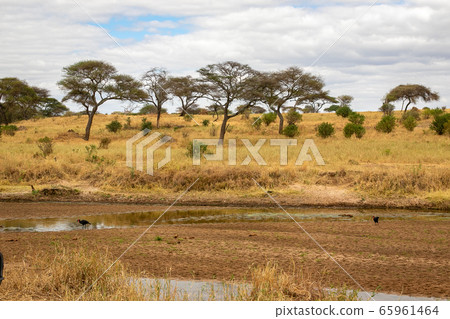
(361, 48)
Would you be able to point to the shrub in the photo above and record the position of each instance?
(410, 123)
(187, 117)
(440, 123)
(386, 125)
(268, 118)
(256, 123)
(348, 130)
(292, 117)
(387, 108)
(447, 127)
(114, 126)
(9, 130)
(356, 129)
(104, 143)
(427, 113)
(414, 112)
(344, 111)
(205, 122)
(332, 108)
(325, 130)
(291, 130)
(45, 144)
(359, 130)
(145, 124)
(356, 118)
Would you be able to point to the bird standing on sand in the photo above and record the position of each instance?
(84, 222)
(375, 219)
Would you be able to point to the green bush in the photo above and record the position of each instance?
(359, 130)
(145, 124)
(291, 130)
(414, 112)
(387, 108)
(187, 117)
(45, 144)
(344, 111)
(356, 129)
(386, 125)
(332, 108)
(9, 129)
(440, 123)
(356, 118)
(447, 127)
(427, 113)
(325, 130)
(268, 118)
(410, 123)
(292, 117)
(205, 122)
(114, 126)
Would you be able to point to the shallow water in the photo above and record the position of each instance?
(213, 215)
(215, 290)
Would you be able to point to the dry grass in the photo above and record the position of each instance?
(270, 282)
(401, 163)
(66, 275)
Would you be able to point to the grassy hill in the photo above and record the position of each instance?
(400, 169)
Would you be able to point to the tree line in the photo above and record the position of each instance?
(232, 88)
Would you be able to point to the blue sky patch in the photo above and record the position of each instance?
(137, 28)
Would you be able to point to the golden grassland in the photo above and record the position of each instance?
(401, 164)
(77, 275)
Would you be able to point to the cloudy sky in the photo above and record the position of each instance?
(360, 47)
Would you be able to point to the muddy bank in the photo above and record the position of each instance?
(323, 198)
(402, 257)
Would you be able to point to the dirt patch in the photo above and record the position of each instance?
(403, 257)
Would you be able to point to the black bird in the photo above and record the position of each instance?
(84, 222)
(375, 219)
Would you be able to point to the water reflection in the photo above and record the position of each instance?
(214, 215)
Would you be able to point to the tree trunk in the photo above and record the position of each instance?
(157, 118)
(88, 126)
(223, 128)
(183, 112)
(281, 125)
(406, 107)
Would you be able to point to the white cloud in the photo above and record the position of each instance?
(390, 44)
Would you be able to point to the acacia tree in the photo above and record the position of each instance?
(188, 91)
(315, 102)
(19, 101)
(292, 84)
(229, 85)
(92, 83)
(410, 94)
(156, 83)
(52, 107)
